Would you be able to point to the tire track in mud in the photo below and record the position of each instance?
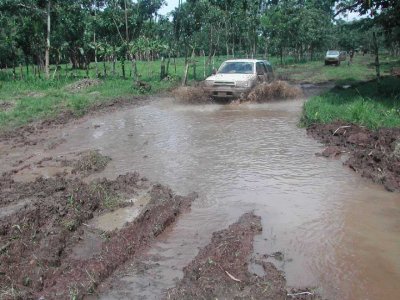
(38, 237)
(221, 269)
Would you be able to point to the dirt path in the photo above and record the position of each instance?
(53, 243)
(59, 239)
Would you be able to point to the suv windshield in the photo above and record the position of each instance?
(332, 52)
(236, 68)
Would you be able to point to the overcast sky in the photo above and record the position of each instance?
(171, 4)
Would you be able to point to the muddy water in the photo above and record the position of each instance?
(337, 232)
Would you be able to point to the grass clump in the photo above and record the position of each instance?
(91, 162)
(370, 104)
(109, 199)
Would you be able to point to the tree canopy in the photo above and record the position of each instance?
(81, 32)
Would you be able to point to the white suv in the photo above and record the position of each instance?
(238, 76)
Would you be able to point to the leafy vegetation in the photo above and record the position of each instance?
(47, 45)
(84, 32)
(24, 101)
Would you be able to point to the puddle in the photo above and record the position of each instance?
(119, 217)
(89, 246)
(32, 173)
(340, 231)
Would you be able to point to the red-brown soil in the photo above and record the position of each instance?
(373, 154)
(42, 221)
(220, 270)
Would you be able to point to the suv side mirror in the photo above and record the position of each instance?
(214, 71)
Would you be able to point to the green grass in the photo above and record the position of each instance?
(367, 104)
(362, 69)
(32, 99)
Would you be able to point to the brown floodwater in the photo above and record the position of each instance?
(338, 232)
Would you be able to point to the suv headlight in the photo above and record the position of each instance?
(209, 82)
(242, 83)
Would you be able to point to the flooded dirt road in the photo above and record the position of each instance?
(334, 231)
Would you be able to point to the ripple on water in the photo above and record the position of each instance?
(331, 225)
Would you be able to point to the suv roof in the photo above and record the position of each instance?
(244, 60)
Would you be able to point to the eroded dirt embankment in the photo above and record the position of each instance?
(373, 154)
(48, 247)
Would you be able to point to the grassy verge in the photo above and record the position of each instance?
(30, 99)
(367, 104)
(362, 69)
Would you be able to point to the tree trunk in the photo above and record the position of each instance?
(185, 74)
(168, 62)
(104, 62)
(21, 75)
(27, 66)
(204, 64)
(126, 23)
(87, 67)
(123, 67)
(95, 56)
(134, 67)
(113, 61)
(175, 64)
(47, 63)
(377, 64)
(162, 70)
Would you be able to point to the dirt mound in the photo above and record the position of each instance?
(82, 84)
(37, 237)
(277, 90)
(91, 162)
(373, 154)
(191, 95)
(220, 270)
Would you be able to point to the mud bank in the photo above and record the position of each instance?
(221, 269)
(49, 248)
(373, 154)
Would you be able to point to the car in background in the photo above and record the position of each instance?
(332, 57)
(236, 77)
